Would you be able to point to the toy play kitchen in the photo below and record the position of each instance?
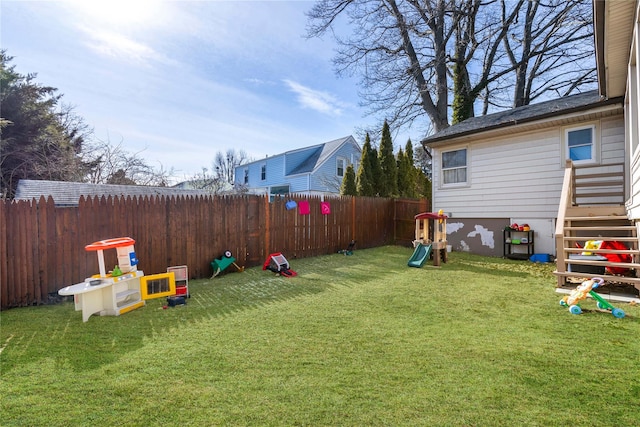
(118, 291)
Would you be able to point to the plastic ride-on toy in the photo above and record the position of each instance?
(581, 292)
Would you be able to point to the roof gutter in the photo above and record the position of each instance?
(603, 103)
(598, 33)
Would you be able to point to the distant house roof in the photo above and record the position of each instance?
(318, 155)
(520, 115)
(68, 193)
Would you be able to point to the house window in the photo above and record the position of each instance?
(340, 166)
(454, 167)
(263, 172)
(580, 144)
(246, 175)
(280, 190)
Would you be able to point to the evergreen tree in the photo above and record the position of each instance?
(364, 183)
(40, 140)
(423, 185)
(412, 175)
(376, 173)
(348, 187)
(388, 167)
(403, 173)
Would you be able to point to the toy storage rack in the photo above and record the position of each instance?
(181, 273)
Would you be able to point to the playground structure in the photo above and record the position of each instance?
(429, 240)
(222, 263)
(585, 289)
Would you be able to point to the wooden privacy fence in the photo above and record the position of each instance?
(42, 246)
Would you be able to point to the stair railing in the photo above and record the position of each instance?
(567, 199)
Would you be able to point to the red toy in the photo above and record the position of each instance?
(278, 264)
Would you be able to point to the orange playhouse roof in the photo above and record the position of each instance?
(109, 244)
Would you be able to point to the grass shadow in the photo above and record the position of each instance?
(35, 333)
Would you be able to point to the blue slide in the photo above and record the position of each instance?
(420, 255)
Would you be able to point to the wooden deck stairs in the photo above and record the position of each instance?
(606, 221)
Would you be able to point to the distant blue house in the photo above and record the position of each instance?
(318, 169)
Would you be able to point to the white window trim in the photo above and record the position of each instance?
(595, 144)
(263, 167)
(344, 166)
(467, 167)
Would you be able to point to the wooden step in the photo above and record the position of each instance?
(603, 251)
(615, 211)
(602, 263)
(601, 228)
(598, 218)
(606, 277)
(604, 238)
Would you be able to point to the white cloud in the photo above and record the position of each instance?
(322, 102)
(118, 46)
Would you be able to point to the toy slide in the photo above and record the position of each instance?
(420, 255)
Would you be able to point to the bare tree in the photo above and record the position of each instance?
(204, 180)
(224, 164)
(221, 179)
(408, 52)
(112, 164)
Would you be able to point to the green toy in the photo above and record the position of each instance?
(116, 271)
(222, 263)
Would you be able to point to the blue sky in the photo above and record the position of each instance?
(182, 80)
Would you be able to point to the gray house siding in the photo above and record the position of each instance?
(516, 175)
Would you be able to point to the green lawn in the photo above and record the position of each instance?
(358, 340)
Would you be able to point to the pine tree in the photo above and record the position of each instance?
(348, 187)
(412, 173)
(364, 184)
(403, 173)
(388, 166)
(376, 173)
(423, 185)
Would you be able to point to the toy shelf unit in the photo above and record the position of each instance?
(518, 244)
(181, 274)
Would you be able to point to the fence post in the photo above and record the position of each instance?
(353, 218)
(267, 225)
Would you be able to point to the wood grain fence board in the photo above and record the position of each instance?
(195, 230)
(4, 247)
(21, 257)
(13, 275)
(16, 291)
(12, 248)
(86, 213)
(39, 292)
